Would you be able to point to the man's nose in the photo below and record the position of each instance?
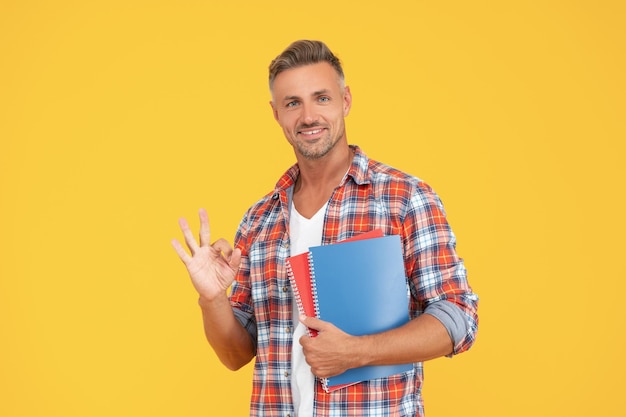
(309, 116)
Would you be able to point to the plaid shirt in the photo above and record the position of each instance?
(372, 195)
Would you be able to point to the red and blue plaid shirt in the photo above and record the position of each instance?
(372, 195)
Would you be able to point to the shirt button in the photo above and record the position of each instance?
(287, 329)
(285, 289)
(286, 374)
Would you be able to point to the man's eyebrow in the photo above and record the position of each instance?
(314, 94)
(320, 92)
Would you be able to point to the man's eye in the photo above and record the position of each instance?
(292, 104)
(324, 99)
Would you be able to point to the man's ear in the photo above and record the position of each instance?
(274, 111)
(347, 101)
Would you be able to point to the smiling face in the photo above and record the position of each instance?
(310, 103)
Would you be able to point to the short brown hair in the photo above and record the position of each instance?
(303, 52)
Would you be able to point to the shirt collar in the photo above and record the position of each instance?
(358, 171)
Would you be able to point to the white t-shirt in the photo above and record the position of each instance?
(304, 233)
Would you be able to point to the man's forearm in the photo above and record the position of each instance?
(422, 339)
(228, 338)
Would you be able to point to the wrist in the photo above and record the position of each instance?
(363, 348)
(210, 302)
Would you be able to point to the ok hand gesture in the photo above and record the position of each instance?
(212, 268)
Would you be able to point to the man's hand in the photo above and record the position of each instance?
(212, 268)
(332, 351)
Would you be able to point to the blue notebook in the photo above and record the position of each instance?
(360, 287)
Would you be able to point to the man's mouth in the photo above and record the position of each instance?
(311, 132)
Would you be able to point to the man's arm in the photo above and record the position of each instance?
(228, 338)
(332, 351)
(212, 269)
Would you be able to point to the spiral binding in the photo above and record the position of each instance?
(314, 287)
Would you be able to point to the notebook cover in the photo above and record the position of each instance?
(360, 287)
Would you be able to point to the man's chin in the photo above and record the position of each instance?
(314, 153)
(317, 149)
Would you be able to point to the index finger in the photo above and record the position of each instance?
(312, 322)
(184, 256)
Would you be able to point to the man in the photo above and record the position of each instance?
(332, 193)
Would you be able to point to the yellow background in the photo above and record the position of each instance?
(117, 117)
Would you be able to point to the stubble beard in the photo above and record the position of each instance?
(319, 149)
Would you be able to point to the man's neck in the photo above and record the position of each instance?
(318, 179)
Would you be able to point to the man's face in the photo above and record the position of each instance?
(310, 104)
